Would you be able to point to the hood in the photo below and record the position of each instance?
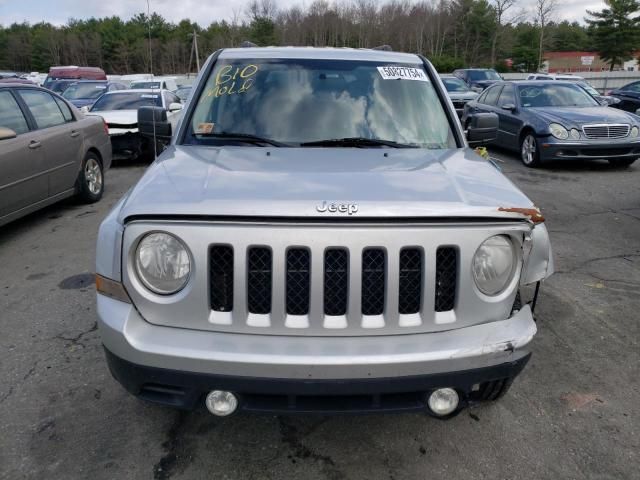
(118, 117)
(463, 95)
(292, 182)
(577, 116)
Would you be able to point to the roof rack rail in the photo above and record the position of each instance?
(247, 44)
(384, 48)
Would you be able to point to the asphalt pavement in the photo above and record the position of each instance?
(572, 414)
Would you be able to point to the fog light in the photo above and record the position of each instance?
(221, 403)
(443, 401)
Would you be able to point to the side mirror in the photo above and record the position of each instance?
(483, 128)
(508, 106)
(174, 107)
(7, 133)
(152, 121)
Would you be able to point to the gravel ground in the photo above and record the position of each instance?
(572, 414)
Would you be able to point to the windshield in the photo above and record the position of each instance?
(483, 75)
(296, 101)
(183, 93)
(59, 86)
(85, 90)
(590, 90)
(453, 84)
(145, 85)
(555, 95)
(126, 101)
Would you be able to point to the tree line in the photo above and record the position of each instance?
(452, 33)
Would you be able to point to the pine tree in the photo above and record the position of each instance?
(616, 31)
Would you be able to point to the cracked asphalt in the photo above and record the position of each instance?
(572, 414)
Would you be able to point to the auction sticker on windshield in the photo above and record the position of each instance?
(403, 73)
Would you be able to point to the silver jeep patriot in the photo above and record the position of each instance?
(318, 236)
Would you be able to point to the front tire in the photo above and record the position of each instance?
(90, 183)
(621, 162)
(529, 151)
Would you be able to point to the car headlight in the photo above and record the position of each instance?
(558, 131)
(494, 264)
(162, 263)
(634, 132)
(574, 134)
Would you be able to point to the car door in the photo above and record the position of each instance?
(509, 119)
(59, 135)
(22, 178)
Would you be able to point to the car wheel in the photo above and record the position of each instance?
(90, 186)
(621, 162)
(529, 151)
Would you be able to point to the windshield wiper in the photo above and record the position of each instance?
(356, 142)
(242, 137)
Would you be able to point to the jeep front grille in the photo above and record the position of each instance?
(325, 280)
(336, 280)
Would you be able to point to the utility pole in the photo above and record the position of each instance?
(194, 49)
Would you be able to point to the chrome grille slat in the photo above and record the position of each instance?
(606, 131)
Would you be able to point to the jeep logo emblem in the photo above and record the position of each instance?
(349, 208)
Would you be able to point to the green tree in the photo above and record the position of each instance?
(262, 31)
(616, 30)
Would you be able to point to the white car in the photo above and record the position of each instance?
(165, 83)
(555, 76)
(120, 112)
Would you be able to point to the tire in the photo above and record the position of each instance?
(621, 162)
(90, 183)
(530, 151)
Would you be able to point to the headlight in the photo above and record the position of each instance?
(574, 134)
(558, 131)
(162, 263)
(494, 264)
(634, 132)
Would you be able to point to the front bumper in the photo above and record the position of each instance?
(127, 144)
(178, 366)
(553, 149)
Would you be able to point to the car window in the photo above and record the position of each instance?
(454, 84)
(66, 111)
(10, 114)
(491, 97)
(555, 95)
(43, 107)
(479, 75)
(127, 100)
(507, 96)
(634, 87)
(88, 90)
(272, 99)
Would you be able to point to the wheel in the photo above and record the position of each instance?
(621, 162)
(90, 184)
(529, 151)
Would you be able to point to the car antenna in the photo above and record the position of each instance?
(155, 143)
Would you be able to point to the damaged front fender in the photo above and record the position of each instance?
(539, 259)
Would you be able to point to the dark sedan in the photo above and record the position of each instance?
(629, 97)
(554, 120)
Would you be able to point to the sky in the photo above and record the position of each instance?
(203, 12)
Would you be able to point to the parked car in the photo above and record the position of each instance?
(84, 93)
(162, 83)
(183, 92)
(478, 78)
(629, 97)
(120, 110)
(459, 92)
(48, 151)
(318, 236)
(59, 86)
(555, 76)
(72, 72)
(554, 120)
